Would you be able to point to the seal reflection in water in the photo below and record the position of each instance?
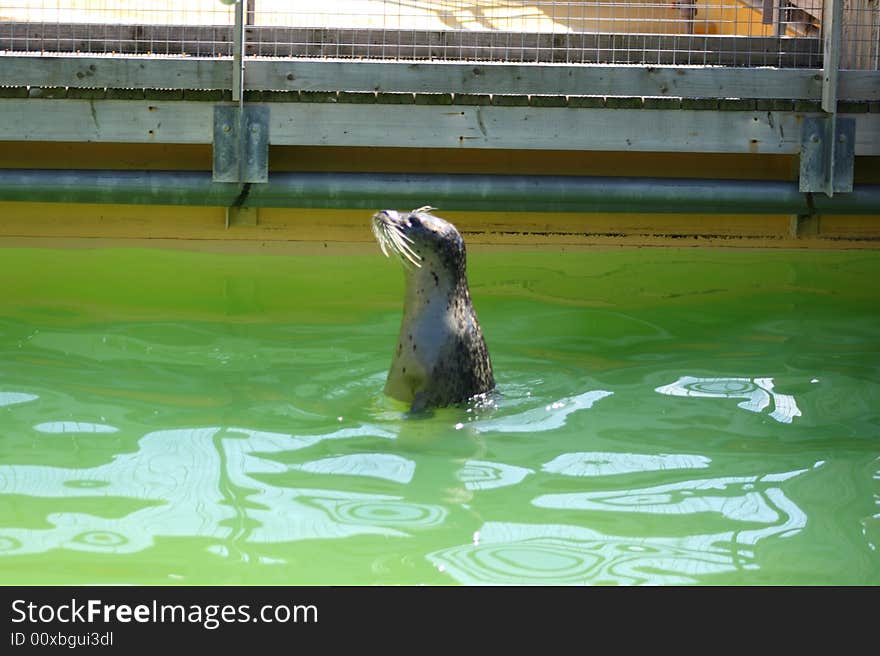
(441, 356)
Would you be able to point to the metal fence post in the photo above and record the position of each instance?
(241, 133)
(831, 27)
(237, 54)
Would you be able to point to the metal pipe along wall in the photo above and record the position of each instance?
(533, 193)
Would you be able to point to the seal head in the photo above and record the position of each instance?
(441, 356)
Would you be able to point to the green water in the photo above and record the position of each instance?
(663, 417)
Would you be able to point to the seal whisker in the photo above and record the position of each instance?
(379, 234)
(398, 242)
(411, 256)
(391, 238)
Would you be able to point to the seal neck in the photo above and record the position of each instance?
(432, 290)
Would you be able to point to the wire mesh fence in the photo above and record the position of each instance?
(860, 35)
(785, 33)
(147, 27)
(152, 12)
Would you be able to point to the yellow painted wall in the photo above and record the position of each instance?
(339, 230)
(729, 18)
(188, 157)
(55, 155)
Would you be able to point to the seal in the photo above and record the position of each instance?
(441, 356)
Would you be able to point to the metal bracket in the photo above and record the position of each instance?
(827, 154)
(828, 142)
(241, 143)
(241, 132)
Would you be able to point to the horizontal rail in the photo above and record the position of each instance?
(428, 126)
(451, 192)
(431, 77)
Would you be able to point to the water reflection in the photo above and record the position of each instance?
(607, 464)
(558, 554)
(742, 498)
(546, 418)
(757, 393)
(383, 511)
(74, 427)
(211, 482)
(232, 486)
(206, 482)
(483, 475)
(517, 553)
(375, 465)
(11, 398)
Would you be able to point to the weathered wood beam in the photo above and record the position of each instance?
(194, 73)
(427, 126)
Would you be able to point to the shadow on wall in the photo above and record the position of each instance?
(740, 17)
(598, 16)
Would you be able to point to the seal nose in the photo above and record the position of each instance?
(386, 216)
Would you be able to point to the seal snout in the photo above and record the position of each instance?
(389, 228)
(386, 216)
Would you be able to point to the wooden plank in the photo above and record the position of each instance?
(556, 128)
(451, 45)
(432, 77)
(539, 79)
(107, 120)
(858, 85)
(115, 72)
(427, 126)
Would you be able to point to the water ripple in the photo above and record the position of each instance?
(483, 475)
(549, 417)
(376, 465)
(604, 463)
(757, 393)
(74, 427)
(559, 554)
